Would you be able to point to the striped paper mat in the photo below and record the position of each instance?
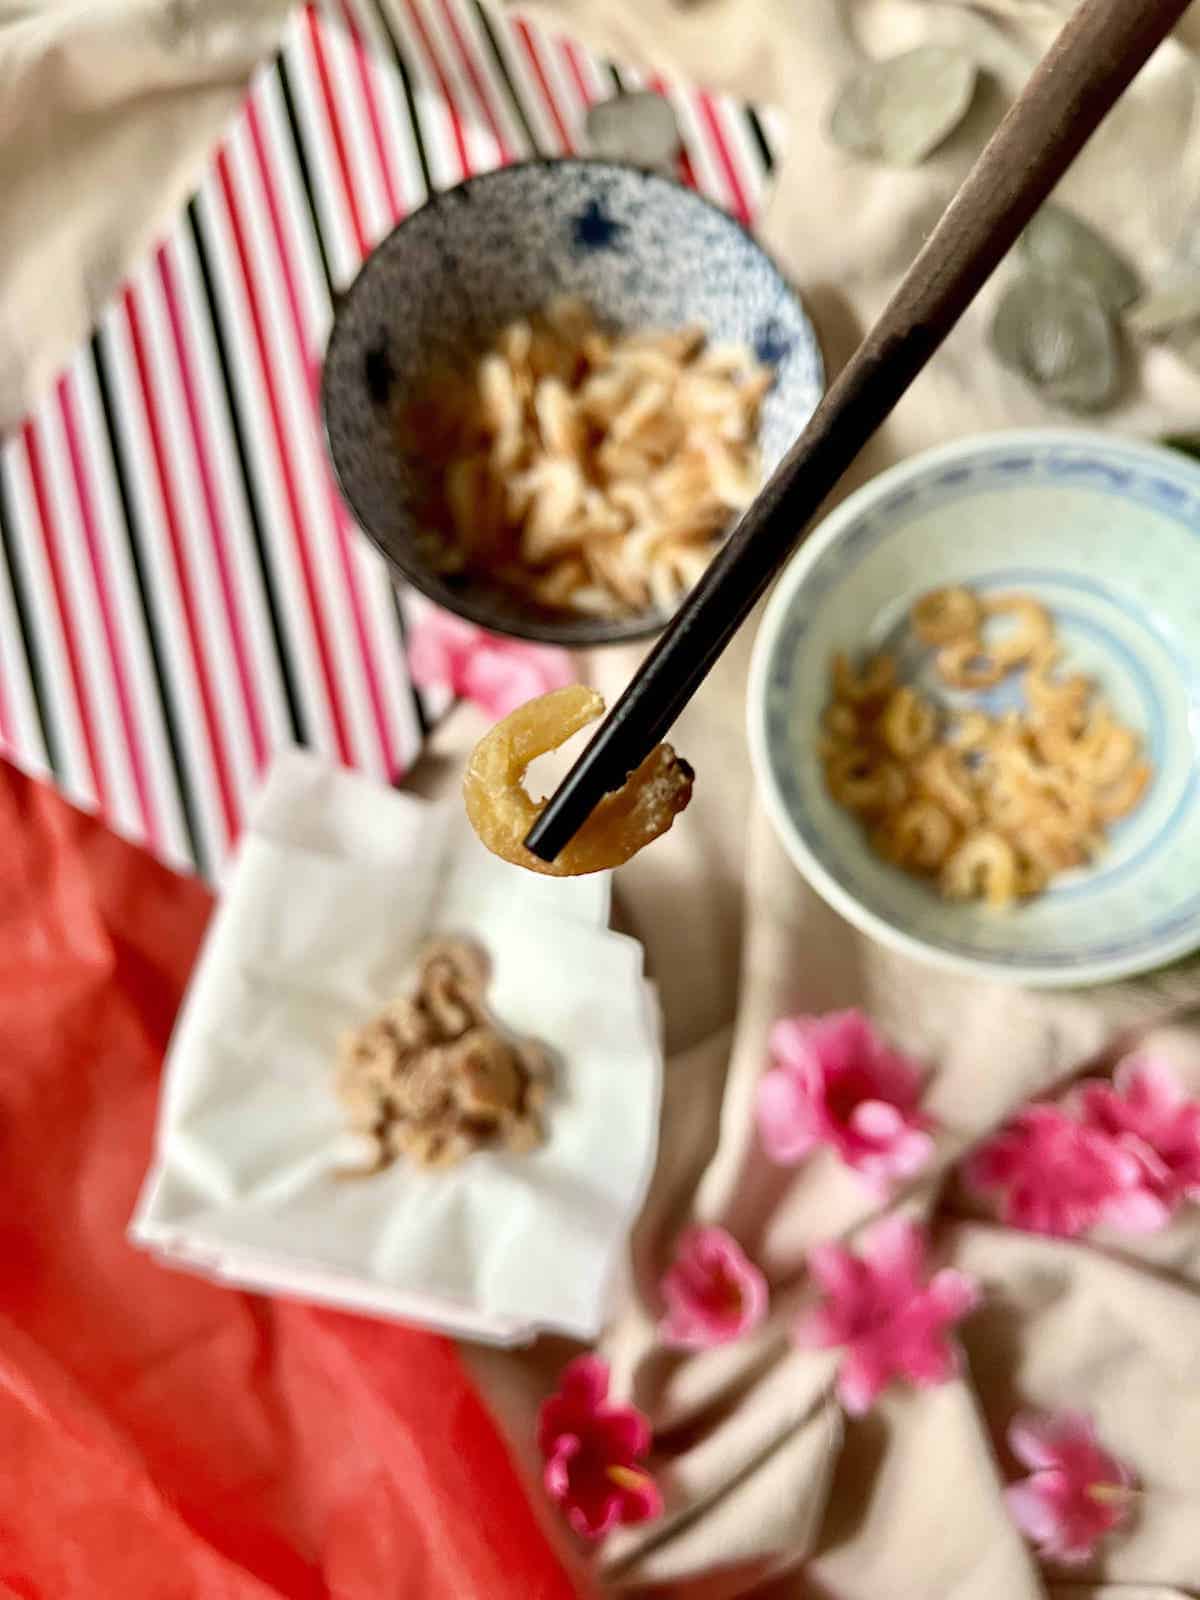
(181, 590)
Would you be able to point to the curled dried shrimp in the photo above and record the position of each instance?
(983, 865)
(965, 664)
(862, 780)
(945, 614)
(988, 807)
(943, 775)
(1031, 634)
(922, 835)
(909, 723)
(501, 810)
(874, 682)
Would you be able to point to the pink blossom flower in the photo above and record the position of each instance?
(1076, 1492)
(1147, 1112)
(498, 675)
(836, 1081)
(713, 1292)
(592, 1451)
(1055, 1176)
(893, 1321)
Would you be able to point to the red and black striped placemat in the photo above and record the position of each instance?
(181, 590)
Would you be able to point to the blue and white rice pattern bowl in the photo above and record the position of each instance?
(1107, 535)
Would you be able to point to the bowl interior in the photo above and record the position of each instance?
(1108, 537)
(641, 250)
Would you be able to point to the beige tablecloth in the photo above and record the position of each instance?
(770, 1493)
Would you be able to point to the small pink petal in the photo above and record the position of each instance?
(932, 1365)
(713, 1292)
(438, 645)
(819, 1329)
(585, 1380)
(904, 1159)
(860, 1381)
(1028, 1440)
(1149, 1085)
(1032, 1512)
(558, 1465)
(892, 1320)
(895, 1248)
(842, 1040)
(1070, 1553)
(954, 1294)
(783, 1119)
(839, 1273)
(875, 1119)
(899, 1079)
(911, 1153)
(788, 1042)
(594, 1515)
(1135, 1211)
(640, 1497)
(926, 1361)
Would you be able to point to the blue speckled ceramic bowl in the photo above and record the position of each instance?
(643, 252)
(1107, 534)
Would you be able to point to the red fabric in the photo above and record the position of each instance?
(161, 1438)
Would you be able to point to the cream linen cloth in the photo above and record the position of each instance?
(770, 1493)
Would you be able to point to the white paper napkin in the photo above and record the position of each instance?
(336, 886)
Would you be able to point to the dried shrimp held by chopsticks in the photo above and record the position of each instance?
(501, 810)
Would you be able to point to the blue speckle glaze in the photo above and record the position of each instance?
(642, 250)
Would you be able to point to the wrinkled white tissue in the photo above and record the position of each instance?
(337, 885)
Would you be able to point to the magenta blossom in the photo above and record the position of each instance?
(713, 1292)
(1146, 1111)
(892, 1320)
(1053, 1175)
(835, 1080)
(497, 675)
(592, 1452)
(1075, 1493)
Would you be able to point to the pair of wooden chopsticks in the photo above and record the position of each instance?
(1098, 52)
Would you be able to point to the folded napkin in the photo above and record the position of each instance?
(337, 885)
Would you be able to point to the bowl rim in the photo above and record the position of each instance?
(415, 573)
(794, 575)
